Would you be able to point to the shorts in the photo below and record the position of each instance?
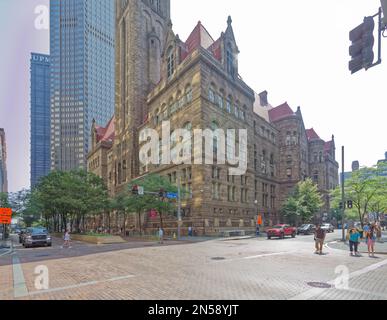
(319, 241)
(371, 242)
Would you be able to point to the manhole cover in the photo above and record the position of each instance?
(321, 285)
(218, 258)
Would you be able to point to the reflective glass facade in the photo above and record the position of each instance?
(40, 117)
(3, 163)
(82, 76)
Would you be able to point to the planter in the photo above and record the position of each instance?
(96, 239)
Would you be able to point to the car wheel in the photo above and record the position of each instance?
(269, 238)
(293, 235)
(282, 236)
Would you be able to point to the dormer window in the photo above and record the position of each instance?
(170, 62)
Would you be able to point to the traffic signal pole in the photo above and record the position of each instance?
(343, 194)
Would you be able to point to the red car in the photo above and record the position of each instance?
(281, 231)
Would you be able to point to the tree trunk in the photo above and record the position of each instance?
(139, 222)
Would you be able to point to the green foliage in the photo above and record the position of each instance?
(152, 185)
(367, 188)
(4, 202)
(304, 202)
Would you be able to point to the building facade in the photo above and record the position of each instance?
(40, 117)
(3, 163)
(82, 40)
(195, 84)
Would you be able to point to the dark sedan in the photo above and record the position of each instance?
(306, 229)
(36, 237)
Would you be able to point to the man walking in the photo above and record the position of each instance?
(319, 238)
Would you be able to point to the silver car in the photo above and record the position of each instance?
(328, 227)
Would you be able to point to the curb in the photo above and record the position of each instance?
(347, 249)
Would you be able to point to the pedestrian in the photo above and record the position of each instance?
(67, 240)
(354, 239)
(378, 232)
(319, 238)
(161, 236)
(370, 240)
(190, 231)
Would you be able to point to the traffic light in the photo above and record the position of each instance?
(361, 50)
(135, 190)
(350, 204)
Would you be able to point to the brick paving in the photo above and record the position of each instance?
(251, 269)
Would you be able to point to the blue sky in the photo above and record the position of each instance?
(297, 50)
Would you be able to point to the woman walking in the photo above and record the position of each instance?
(371, 239)
(354, 237)
(67, 240)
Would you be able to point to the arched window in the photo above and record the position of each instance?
(214, 127)
(211, 94)
(188, 93)
(288, 138)
(171, 106)
(315, 176)
(228, 104)
(157, 117)
(170, 62)
(236, 110)
(164, 112)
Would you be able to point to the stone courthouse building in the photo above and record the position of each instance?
(195, 84)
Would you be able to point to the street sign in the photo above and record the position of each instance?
(171, 195)
(5, 215)
(140, 191)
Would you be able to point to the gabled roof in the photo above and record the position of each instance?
(200, 37)
(106, 134)
(312, 135)
(281, 112)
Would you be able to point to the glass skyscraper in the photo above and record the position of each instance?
(3, 163)
(40, 117)
(82, 56)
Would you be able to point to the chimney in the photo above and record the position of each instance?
(263, 99)
(355, 166)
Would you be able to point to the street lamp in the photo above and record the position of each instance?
(256, 220)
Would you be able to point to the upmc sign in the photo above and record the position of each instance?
(5, 215)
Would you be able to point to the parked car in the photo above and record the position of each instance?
(328, 227)
(281, 231)
(36, 237)
(306, 229)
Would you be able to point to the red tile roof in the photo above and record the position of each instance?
(312, 135)
(200, 37)
(108, 133)
(281, 112)
(328, 147)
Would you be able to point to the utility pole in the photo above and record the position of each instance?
(178, 207)
(343, 193)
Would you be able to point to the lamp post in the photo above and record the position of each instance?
(256, 220)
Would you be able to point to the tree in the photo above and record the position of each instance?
(303, 203)
(367, 189)
(69, 198)
(153, 185)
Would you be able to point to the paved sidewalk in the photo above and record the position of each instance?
(380, 247)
